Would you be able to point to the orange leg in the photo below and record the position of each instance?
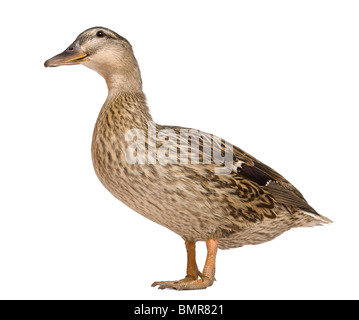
(192, 269)
(190, 282)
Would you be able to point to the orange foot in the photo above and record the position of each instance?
(190, 282)
(185, 284)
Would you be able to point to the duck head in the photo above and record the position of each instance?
(106, 52)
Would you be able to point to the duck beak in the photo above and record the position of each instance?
(71, 56)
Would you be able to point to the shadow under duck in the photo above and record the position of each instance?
(248, 203)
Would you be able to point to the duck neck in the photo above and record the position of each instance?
(123, 77)
(129, 108)
(129, 82)
(125, 95)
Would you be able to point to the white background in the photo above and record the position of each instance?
(277, 78)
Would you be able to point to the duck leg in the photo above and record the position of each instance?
(192, 269)
(191, 281)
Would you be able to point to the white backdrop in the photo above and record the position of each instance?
(277, 78)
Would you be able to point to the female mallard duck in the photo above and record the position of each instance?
(218, 194)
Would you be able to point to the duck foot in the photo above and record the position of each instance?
(184, 284)
(191, 281)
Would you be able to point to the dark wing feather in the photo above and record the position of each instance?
(251, 172)
(285, 196)
(271, 181)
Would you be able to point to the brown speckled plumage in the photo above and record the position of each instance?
(251, 204)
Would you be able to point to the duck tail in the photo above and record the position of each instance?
(317, 219)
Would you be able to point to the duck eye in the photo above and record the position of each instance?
(99, 34)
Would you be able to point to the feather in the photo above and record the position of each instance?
(285, 196)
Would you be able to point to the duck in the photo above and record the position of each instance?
(196, 184)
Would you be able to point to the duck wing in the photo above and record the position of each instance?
(247, 167)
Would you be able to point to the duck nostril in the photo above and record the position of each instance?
(71, 48)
